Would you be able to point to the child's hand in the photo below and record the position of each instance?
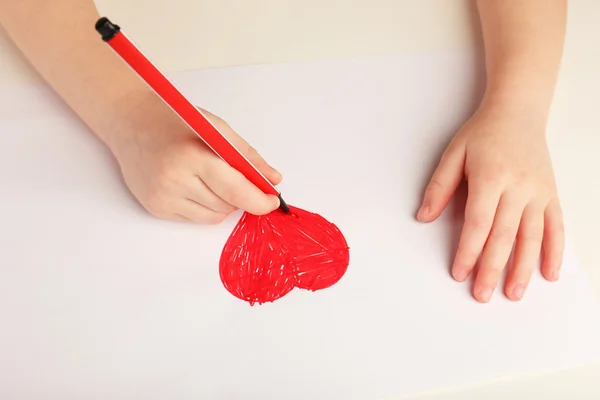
(175, 176)
(511, 195)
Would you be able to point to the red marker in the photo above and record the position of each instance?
(193, 117)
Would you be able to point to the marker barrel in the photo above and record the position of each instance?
(192, 116)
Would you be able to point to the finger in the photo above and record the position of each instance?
(527, 251)
(443, 183)
(248, 151)
(233, 187)
(198, 213)
(498, 247)
(200, 193)
(553, 243)
(269, 172)
(482, 201)
(179, 217)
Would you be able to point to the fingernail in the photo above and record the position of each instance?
(555, 275)
(519, 291)
(485, 294)
(460, 275)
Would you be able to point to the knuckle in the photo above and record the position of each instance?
(491, 271)
(207, 171)
(190, 151)
(503, 233)
(434, 186)
(521, 178)
(154, 202)
(535, 233)
(494, 175)
(492, 268)
(214, 218)
(493, 172)
(155, 206)
(165, 174)
(478, 221)
(233, 195)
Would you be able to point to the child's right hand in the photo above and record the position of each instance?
(175, 176)
(166, 166)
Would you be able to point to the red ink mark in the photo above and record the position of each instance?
(267, 256)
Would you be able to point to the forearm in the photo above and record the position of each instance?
(523, 42)
(59, 39)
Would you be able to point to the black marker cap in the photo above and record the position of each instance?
(107, 29)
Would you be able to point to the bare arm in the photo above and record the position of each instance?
(172, 173)
(501, 152)
(59, 39)
(523, 46)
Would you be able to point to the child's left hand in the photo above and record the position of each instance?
(512, 198)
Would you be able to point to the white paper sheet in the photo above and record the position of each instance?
(100, 300)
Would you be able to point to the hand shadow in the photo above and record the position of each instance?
(456, 211)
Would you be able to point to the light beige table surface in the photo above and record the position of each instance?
(237, 32)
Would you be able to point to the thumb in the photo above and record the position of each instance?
(443, 183)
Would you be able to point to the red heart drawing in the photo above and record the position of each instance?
(267, 256)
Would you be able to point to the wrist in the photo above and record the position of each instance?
(103, 97)
(141, 119)
(124, 115)
(517, 101)
(524, 114)
(514, 86)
